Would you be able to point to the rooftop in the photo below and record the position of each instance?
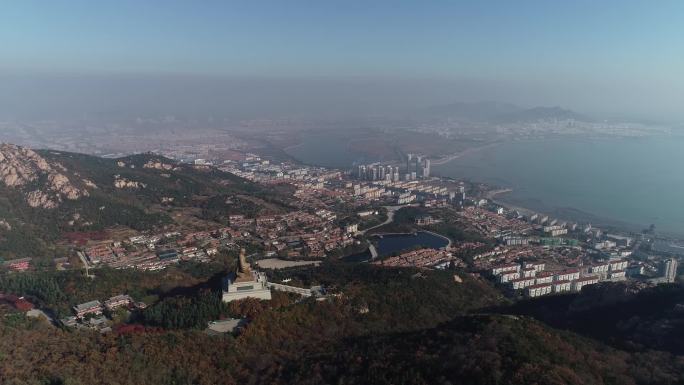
(523, 279)
(88, 305)
(589, 278)
(539, 286)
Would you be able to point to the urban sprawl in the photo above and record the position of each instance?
(527, 254)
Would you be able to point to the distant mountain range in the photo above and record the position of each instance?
(497, 112)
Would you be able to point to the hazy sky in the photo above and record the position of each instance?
(597, 56)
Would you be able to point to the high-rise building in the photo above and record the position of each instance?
(361, 172)
(381, 172)
(426, 168)
(418, 164)
(419, 161)
(409, 163)
(668, 270)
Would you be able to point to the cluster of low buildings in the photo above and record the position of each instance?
(587, 251)
(406, 192)
(296, 234)
(155, 251)
(590, 254)
(320, 187)
(422, 258)
(534, 280)
(374, 182)
(494, 224)
(259, 170)
(512, 228)
(502, 255)
(93, 314)
(20, 264)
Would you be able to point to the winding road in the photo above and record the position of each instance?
(390, 217)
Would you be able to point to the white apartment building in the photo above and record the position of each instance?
(567, 275)
(585, 281)
(496, 270)
(522, 283)
(538, 290)
(562, 286)
(508, 276)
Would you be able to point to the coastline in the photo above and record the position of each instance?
(448, 158)
(516, 200)
(491, 168)
(570, 214)
(492, 194)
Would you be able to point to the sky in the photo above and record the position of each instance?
(609, 57)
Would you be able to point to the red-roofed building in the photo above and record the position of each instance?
(18, 303)
(22, 264)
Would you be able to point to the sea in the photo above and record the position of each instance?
(622, 183)
(627, 183)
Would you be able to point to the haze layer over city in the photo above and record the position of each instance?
(350, 192)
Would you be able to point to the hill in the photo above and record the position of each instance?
(44, 194)
(652, 318)
(382, 326)
(481, 350)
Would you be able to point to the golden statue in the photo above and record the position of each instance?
(244, 266)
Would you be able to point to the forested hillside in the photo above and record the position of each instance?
(45, 194)
(380, 326)
(652, 318)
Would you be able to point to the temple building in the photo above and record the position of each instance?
(245, 283)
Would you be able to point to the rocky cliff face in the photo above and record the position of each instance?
(43, 184)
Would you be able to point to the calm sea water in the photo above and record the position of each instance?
(634, 182)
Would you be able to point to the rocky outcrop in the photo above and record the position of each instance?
(4, 225)
(122, 183)
(89, 183)
(158, 165)
(41, 199)
(21, 168)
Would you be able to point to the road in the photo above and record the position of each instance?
(373, 251)
(390, 217)
(81, 255)
(448, 246)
